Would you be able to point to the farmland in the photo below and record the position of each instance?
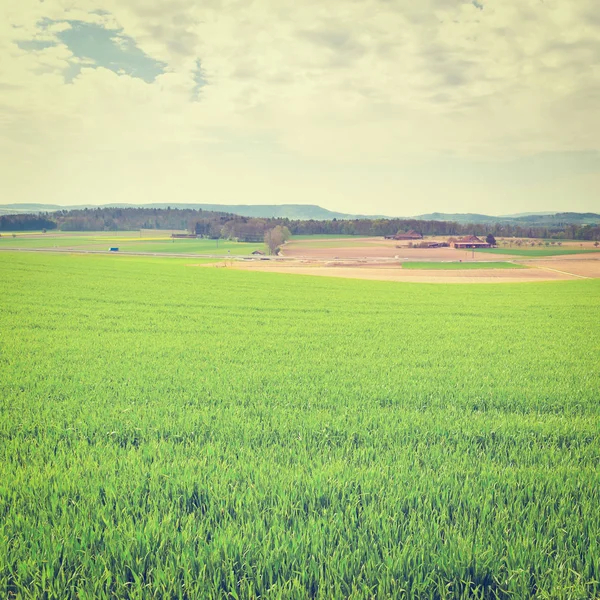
(534, 252)
(461, 265)
(377, 247)
(177, 432)
(130, 241)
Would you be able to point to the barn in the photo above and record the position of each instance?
(470, 241)
(405, 235)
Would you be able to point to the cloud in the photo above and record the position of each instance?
(228, 84)
(109, 48)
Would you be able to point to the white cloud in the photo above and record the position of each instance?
(357, 84)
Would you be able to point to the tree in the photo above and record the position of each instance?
(490, 239)
(275, 237)
(287, 234)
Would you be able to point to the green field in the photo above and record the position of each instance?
(325, 236)
(129, 242)
(536, 251)
(184, 246)
(30, 241)
(456, 266)
(341, 242)
(169, 431)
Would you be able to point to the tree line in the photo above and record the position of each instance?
(382, 227)
(223, 225)
(26, 223)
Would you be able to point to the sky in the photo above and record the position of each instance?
(388, 107)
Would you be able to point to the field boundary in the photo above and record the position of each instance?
(563, 272)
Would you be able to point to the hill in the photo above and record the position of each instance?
(308, 212)
(267, 211)
(534, 219)
(461, 217)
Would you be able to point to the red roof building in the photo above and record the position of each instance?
(470, 241)
(407, 235)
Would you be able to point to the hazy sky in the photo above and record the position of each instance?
(365, 106)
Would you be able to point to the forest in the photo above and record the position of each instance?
(223, 225)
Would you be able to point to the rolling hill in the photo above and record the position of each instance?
(305, 212)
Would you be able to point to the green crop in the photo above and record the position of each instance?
(450, 266)
(128, 242)
(171, 431)
(534, 252)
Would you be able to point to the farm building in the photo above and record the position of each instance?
(470, 241)
(426, 245)
(435, 244)
(405, 235)
(184, 235)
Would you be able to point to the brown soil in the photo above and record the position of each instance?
(584, 267)
(387, 273)
(371, 251)
(377, 247)
(378, 259)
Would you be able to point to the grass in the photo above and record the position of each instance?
(192, 246)
(451, 266)
(131, 242)
(25, 241)
(177, 432)
(84, 236)
(337, 243)
(326, 236)
(536, 251)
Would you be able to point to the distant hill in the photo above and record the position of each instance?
(460, 217)
(280, 211)
(527, 214)
(564, 218)
(305, 212)
(290, 211)
(537, 219)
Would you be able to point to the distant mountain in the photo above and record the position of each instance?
(303, 212)
(533, 219)
(35, 206)
(282, 211)
(17, 209)
(565, 218)
(459, 217)
(528, 214)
